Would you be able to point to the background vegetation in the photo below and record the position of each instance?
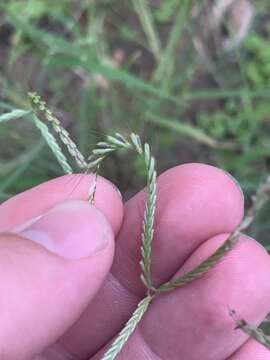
(194, 86)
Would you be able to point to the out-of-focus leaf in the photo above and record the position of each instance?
(14, 114)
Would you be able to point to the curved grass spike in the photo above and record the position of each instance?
(133, 142)
(40, 105)
(53, 145)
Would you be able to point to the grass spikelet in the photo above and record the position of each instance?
(49, 138)
(129, 328)
(38, 104)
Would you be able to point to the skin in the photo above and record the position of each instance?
(55, 305)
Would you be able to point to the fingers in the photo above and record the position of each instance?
(193, 322)
(195, 202)
(251, 350)
(34, 202)
(49, 273)
(198, 313)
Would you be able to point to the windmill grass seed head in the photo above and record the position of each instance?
(133, 142)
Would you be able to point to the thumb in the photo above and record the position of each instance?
(49, 272)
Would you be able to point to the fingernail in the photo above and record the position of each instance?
(115, 188)
(94, 186)
(74, 229)
(235, 181)
(118, 191)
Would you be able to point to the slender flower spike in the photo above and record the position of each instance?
(38, 104)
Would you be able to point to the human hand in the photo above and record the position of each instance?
(63, 300)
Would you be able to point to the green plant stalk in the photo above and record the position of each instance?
(146, 19)
(182, 128)
(166, 64)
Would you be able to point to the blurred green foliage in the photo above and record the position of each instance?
(107, 65)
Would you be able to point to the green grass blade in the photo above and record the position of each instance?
(74, 58)
(44, 38)
(130, 81)
(14, 114)
(28, 158)
(184, 129)
(166, 64)
(6, 106)
(213, 94)
(146, 19)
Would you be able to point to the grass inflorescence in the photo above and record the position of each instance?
(134, 143)
(157, 74)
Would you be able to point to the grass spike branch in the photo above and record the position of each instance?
(52, 143)
(262, 196)
(129, 328)
(146, 19)
(39, 105)
(117, 142)
(252, 331)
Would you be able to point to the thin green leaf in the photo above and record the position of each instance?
(92, 67)
(166, 64)
(211, 94)
(14, 114)
(147, 22)
(6, 106)
(185, 129)
(42, 37)
(24, 162)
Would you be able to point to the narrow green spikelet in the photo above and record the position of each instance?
(38, 104)
(94, 162)
(103, 151)
(114, 141)
(129, 328)
(137, 142)
(49, 138)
